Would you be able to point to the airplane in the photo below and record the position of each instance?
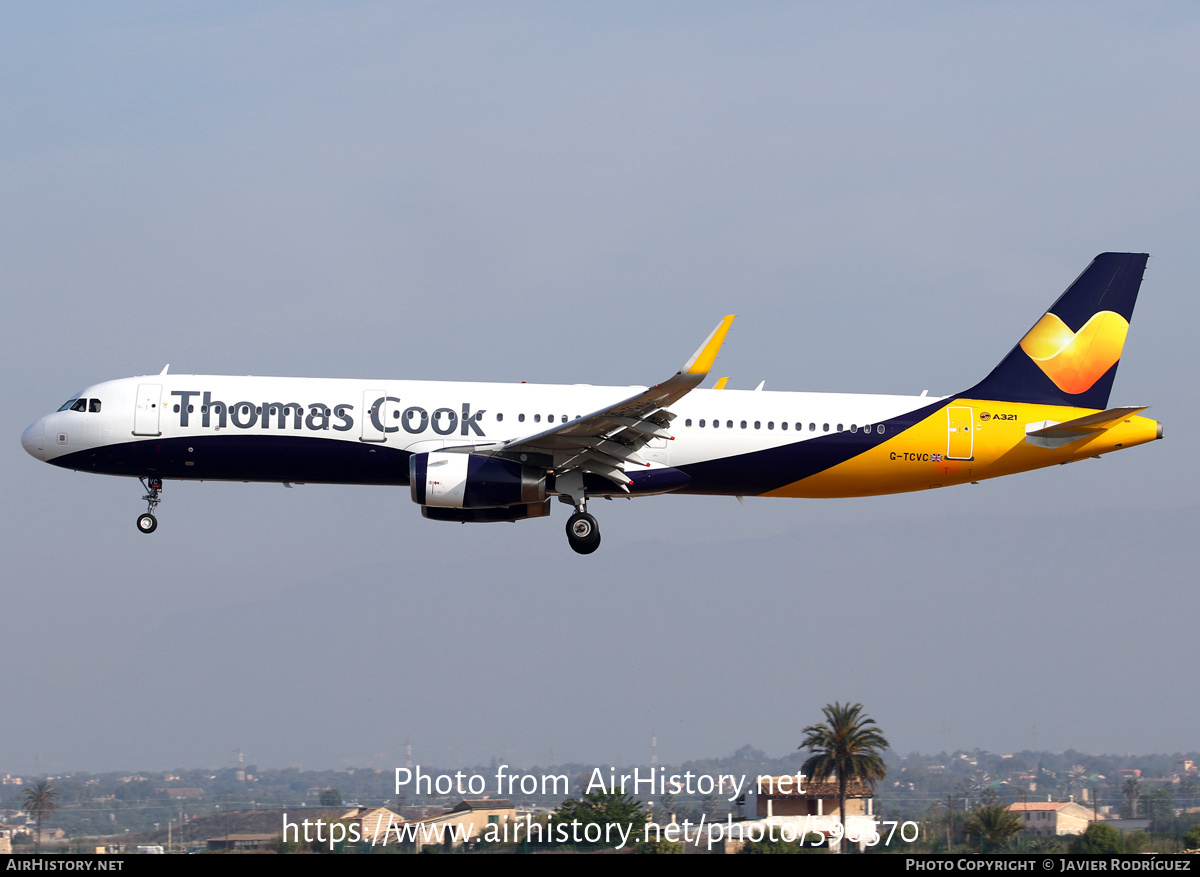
(480, 452)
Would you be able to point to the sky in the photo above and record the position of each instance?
(887, 195)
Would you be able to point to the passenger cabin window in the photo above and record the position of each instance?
(758, 424)
(702, 423)
(825, 427)
(688, 422)
(499, 418)
(743, 424)
(521, 418)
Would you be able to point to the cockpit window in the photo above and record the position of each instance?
(94, 406)
(68, 404)
(80, 405)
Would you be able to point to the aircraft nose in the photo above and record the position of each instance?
(33, 440)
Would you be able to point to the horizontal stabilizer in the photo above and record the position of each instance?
(1054, 435)
(1097, 422)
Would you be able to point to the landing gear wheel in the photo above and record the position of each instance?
(583, 533)
(147, 523)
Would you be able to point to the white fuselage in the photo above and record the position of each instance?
(271, 428)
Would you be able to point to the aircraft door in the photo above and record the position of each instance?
(147, 409)
(960, 443)
(381, 416)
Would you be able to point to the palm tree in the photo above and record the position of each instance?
(1077, 777)
(41, 800)
(974, 784)
(846, 746)
(993, 826)
(1132, 790)
(1189, 789)
(603, 809)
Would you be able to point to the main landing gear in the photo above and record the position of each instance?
(147, 523)
(583, 533)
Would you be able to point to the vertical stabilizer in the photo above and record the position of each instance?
(1071, 354)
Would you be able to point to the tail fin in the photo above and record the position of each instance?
(1070, 356)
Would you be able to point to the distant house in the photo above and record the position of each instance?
(783, 796)
(1051, 818)
(374, 823)
(781, 804)
(243, 842)
(465, 823)
(184, 793)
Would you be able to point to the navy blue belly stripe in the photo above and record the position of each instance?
(763, 471)
(247, 458)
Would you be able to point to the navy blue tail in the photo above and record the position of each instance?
(1071, 354)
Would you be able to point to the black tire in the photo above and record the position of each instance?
(147, 523)
(583, 533)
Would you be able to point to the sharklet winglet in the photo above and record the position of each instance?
(703, 358)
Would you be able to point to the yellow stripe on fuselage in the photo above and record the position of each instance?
(920, 457)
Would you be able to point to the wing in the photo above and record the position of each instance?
(606, 441)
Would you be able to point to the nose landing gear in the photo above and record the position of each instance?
(147, 523)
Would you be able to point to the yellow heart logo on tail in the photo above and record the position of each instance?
(1076, 360)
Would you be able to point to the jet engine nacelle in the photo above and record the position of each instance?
(471, 481)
